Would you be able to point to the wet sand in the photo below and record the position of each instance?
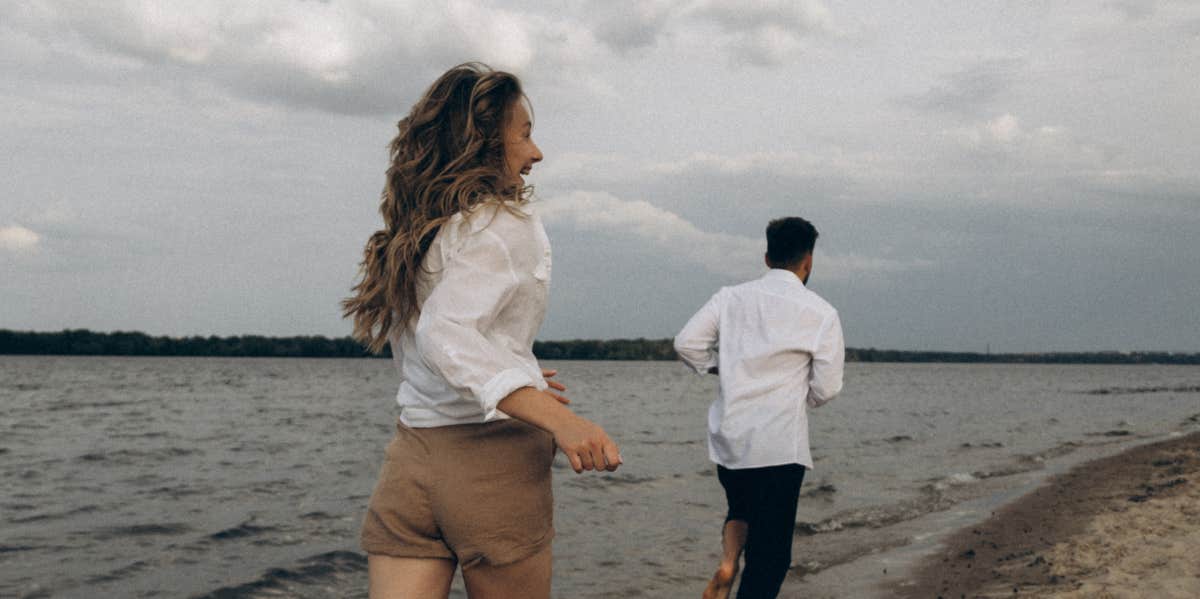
(1120, 527)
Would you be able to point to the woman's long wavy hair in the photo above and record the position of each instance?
(447, 157)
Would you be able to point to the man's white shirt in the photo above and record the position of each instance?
(779, 349)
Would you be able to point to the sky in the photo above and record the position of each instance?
(1003, 176)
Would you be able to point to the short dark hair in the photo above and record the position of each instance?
(789, 240)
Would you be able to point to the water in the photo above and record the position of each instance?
(205, 477)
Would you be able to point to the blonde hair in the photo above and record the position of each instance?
(447, 157)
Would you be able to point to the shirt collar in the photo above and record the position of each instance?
(779, 274)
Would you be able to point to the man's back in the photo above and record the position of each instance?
(778, 346)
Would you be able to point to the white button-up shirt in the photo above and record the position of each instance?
(779, 349)
(482, 296)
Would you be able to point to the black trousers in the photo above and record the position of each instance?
(765, 499)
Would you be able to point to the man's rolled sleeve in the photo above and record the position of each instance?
(828, 363)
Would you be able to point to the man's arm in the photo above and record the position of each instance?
(828, 360)
(697, 342)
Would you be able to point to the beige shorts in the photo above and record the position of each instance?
(475, 493)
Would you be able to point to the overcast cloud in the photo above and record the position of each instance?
(1019, 176)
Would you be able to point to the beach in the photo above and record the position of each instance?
(1118, 527)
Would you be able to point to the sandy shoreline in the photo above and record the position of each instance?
(1118, 527)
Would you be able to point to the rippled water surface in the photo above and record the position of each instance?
(199, 477)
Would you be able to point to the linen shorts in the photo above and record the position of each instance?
(474, 493)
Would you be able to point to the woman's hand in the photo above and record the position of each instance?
(557, 386)
(586, 445)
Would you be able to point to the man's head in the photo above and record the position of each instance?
(790, 243)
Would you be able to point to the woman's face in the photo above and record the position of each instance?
(520, 153)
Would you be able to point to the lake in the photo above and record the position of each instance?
(212, 477)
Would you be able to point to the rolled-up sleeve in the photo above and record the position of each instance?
(828, 363)
(697, 341)
(478, 282)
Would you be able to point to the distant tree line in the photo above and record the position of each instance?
(1104, 357)
(88, 343)
(82, 342)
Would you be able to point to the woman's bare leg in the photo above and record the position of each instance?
(408, 577)
(526, 579)
(733, 540)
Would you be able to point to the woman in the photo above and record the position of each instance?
(456, 283)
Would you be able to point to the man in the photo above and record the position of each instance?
(778, 349)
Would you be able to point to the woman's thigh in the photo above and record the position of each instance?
(525, 579)
(408, 577)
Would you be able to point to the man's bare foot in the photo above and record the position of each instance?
(722, 582)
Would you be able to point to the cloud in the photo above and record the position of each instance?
(1049, 148)
(971, 90)
(16, 238)
(765, 32)
(830, 161)
(603, 169)
(760, 32)
(359, 57)
(632, 24)
(805, 16)
(366, 57)
(734, 256)
(1134, 9)
(719, 253)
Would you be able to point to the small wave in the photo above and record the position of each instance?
(1112, 433)
(958, 478)
(1138, 390)
(983, 445)
(245, 529)
(826, 490)
(82, 405)
(319, 569)
(15, 548)
(176, 492)
(139, 435)
(317, 516)
(1029, 462)
(611, 480)
(932, 499)
(890, 440)
(119, 573)
(140, 530)
(55, 515)
(131, 455)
